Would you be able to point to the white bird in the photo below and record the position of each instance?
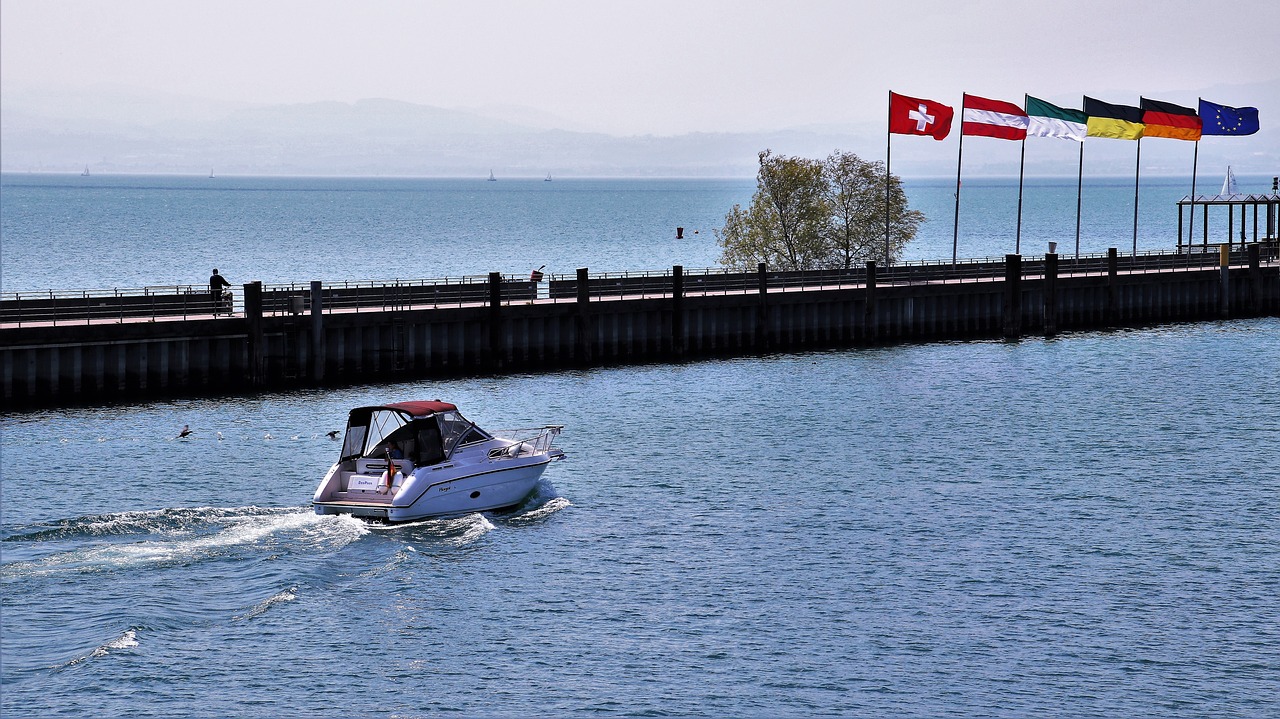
(219, 436)
(267, 435)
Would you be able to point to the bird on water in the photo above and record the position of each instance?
(332, 434)
(186, 432)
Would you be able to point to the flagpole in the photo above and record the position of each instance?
(888, 154)
(955, 229)
(1195, 161)
(1079, 187)
(1137, 170)
(1022, 166)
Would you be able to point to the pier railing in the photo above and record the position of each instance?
(166, 302)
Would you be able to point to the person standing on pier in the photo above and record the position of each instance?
(217, 284)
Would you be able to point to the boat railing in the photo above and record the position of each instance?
(537, 440)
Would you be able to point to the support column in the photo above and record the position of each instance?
(677, 312)
(1051, 294)
(495, 354)
(1255, 279)
(1224, 283)
(584, 342)
(1113, 269)
(253, 325)
(869, 322)
(762, 339)
(317, 333)
(1012, 296)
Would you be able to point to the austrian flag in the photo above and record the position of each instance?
(913, 116)
(993, 118)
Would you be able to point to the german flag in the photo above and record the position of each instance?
(1165, 119)
(1121, 122)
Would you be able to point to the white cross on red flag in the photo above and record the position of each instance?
(913, 116)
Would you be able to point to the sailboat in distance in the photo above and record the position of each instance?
(491, 177)
(86, 171)
(1229, 184)
(548, 177)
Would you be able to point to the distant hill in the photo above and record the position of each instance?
(118, 132)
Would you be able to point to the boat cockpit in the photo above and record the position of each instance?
(374, 433)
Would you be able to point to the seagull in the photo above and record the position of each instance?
(219, 436)
(186, 431)
(333, 434)
(267, 435)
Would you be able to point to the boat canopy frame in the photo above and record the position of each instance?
(424, 432)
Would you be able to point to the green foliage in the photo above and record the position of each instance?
(810, 214)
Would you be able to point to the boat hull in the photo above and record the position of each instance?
(478, 492)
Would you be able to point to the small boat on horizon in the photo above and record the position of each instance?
(491, 177)
(548, 177)
(86, 171)
(412, 460)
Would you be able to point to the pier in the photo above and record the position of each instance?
(67, 348)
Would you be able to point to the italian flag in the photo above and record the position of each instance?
(993, 118)
(1048, 120)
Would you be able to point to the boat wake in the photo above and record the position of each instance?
(540, 511)
(168, 537)
(455, 531)
(128, 639)
(287, 595)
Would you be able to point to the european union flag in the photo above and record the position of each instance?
(1224, 120)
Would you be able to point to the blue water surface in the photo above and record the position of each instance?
(1087, 526)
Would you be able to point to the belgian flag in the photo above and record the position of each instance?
(1165, 119)
(1121, 122)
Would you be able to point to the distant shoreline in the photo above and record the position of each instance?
(1204, 177)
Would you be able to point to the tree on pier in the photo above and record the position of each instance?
(809, 214)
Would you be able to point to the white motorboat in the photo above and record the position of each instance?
(410, 460)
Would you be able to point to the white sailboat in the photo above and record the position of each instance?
(86, 171)
(548, 177)
(1229, 184)
(491, 177)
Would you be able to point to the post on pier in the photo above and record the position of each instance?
(583, 342)
(869, 320)
(317, 332)
(1012, 296)
(1051, 294)
(677, 311)
(496, 356)
(1113, 290)
(253, 325)
(762, 339)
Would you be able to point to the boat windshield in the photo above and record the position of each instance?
(456, 430)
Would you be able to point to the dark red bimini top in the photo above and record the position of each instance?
(422, 408)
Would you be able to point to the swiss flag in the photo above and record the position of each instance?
(913, 116)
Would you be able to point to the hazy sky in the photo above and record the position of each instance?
(652, 66)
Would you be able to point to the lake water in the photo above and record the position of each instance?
(1087, 526)
(99, 232)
